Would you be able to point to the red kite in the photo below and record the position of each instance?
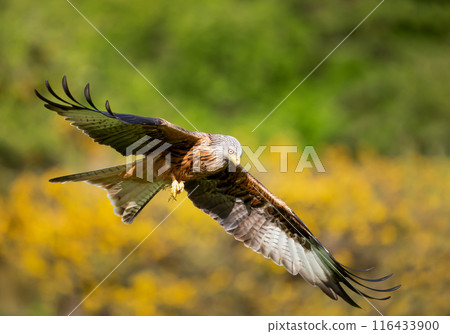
(207, 167)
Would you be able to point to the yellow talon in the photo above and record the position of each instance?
(177, 187)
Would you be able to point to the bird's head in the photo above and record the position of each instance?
(232, 150)
(228, 149)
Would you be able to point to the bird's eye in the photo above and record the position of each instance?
(230, 151)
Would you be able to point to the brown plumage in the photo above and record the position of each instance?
(207, 167)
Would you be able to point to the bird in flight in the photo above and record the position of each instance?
(207, 167)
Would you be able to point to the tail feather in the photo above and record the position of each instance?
(128, 194)
(92, 175)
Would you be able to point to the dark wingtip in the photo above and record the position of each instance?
(67, 91)
(49, 104)
(64, 84)
(347, 298)
(371, 279)
(373, 289)
(87, 95)
(108, 108)
(38, 94)
(359, 270)
(385, 298)
(351, 277)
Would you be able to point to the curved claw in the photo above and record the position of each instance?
(177, 187)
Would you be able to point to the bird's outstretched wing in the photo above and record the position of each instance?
(253, 215)
(120, 131)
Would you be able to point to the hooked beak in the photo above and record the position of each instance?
(236, 160)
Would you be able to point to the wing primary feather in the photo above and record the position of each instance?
(335, 266)
(359, 270)
(344, 295)
(373, 289)
(343, 278)
(67, 91)
(307, 273)
(51, 103)
(115, 130)
(359, 292)
(369, 279)
(87, 94)
(50, 89)
(108, 109)
(344, 273)
(339, 270)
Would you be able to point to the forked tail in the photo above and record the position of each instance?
(128, 193)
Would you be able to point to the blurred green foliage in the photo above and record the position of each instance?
(226, 65)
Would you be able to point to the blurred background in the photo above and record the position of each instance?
(376, 111)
